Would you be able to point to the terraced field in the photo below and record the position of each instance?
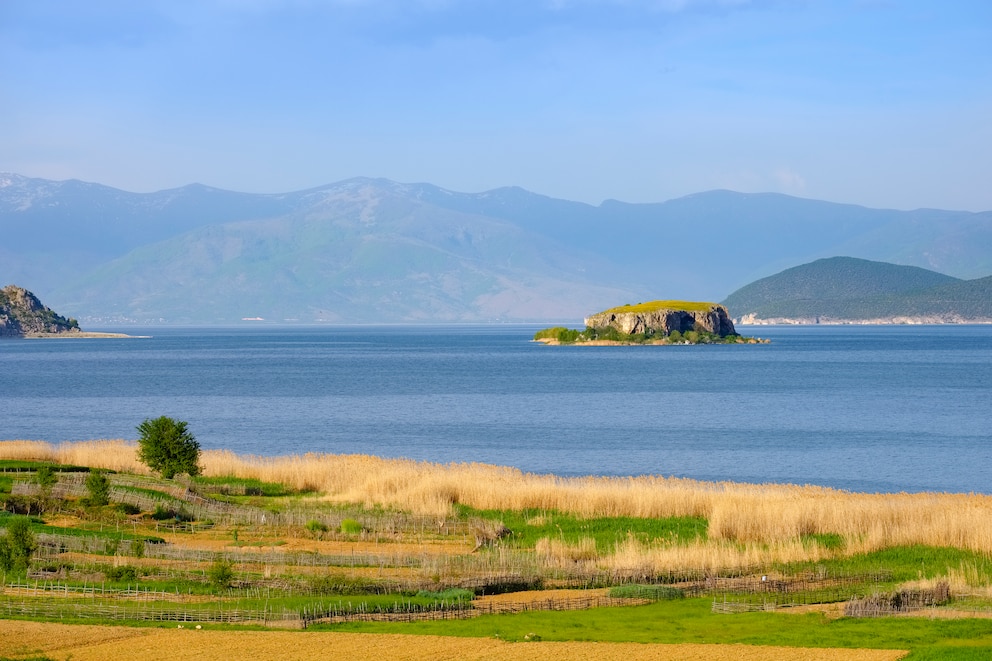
(240, 563)
(97, 643)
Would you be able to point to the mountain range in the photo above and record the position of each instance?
(373, 250)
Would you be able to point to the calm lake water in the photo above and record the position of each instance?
(860, 408)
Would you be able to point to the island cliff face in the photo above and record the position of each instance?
(658, 317)
(21, 314)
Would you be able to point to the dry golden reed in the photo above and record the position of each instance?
(556, 552)
(749, 522)
(117, 455)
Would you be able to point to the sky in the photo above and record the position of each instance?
(884, 103)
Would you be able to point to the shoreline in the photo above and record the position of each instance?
(550, 341)
(82, 335)
(749, 320)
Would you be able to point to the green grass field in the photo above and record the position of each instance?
(691, 621)
(411, 564)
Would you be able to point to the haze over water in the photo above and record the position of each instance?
(859, 408)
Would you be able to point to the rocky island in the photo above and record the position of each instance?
(23, 315)
(655, 322)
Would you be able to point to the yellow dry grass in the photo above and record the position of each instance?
(97, 643)
(748, 524)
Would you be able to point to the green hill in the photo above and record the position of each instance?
(848, 289)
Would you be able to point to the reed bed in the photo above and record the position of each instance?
(752, 523)
(117, 455)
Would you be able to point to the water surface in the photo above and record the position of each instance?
(903, 408)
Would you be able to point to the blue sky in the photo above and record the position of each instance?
(874, 102)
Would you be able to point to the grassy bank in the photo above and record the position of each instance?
(327, 539)
(746, 524)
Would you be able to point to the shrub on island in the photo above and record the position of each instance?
(609, 334)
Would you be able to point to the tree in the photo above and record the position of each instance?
(17, 545)
(221, 574)
(46, 480)
(98, 487)
(167, 446)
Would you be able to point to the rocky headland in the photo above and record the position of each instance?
(23, 315)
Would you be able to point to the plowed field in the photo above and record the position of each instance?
(97, 643)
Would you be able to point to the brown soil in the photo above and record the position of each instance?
(543, 595)
(836, 610)
(385, 573)
(831, 611)
(331, 547)
(96, 643)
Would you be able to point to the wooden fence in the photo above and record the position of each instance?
(146, 495)
(53, 601)
(750, 594)
(137, 612)
(901, 601)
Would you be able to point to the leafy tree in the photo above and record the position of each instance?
(98, 487)
(167, 446)
(18, 545)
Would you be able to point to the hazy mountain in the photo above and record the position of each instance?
(848, 289)
(360, 251)
(376, 250)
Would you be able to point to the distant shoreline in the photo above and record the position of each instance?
(750, 320)
(550, 341)
(87, 335)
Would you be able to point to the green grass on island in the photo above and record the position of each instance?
(655, 306)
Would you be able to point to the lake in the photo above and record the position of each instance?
(865, 408)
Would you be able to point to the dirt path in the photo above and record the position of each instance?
(96, 643)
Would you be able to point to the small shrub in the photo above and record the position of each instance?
(451, 595)
(45, 478)
(122, 574)
(653, 592)
(22, 504)
(17, 546)
(221, 574)
(339, 584)
(129, 509)
(488, 532)
(351, 527)
(98, 488)
(138, 548)
(163, 513)
(316, 528)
